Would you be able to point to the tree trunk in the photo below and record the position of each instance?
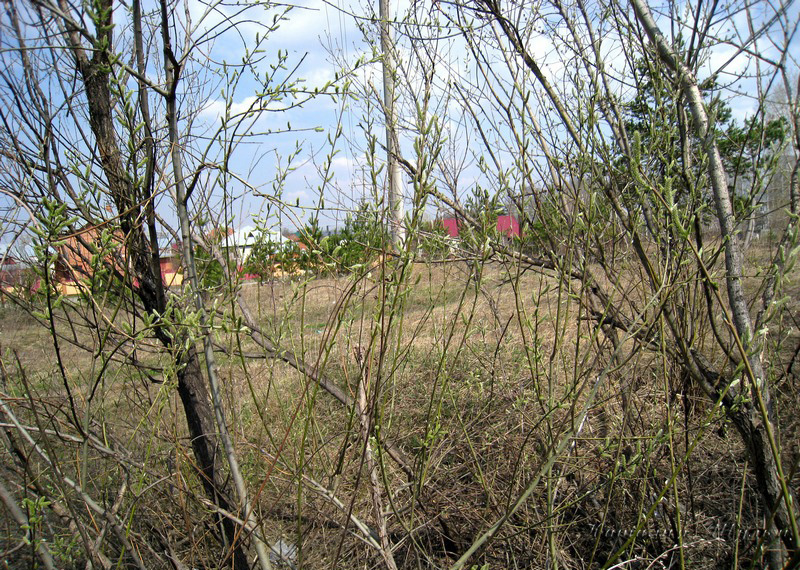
(95, 73)
(752, 420)
(200, 421)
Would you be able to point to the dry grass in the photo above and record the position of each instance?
(475, 385)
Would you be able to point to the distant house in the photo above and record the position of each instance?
(507, 226)
(13, 273)
(247, 237)
(170, 265)
(74, 262)
(451, 226)
(239, 244)
(295, 238)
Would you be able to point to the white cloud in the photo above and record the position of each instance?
(345, 163)
(250, 107)
(320, 76)
(217, 108)
(303, 197)
(226, 32)
(726, 60)
(305, 25)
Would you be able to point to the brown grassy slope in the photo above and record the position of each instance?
(475, 385)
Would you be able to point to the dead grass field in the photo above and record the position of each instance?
(477, 386)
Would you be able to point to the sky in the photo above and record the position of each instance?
(298, 153)
(327, 38)
(331, 43)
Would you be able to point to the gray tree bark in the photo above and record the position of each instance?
(753, 420)
(95, 74)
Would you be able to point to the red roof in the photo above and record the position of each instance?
(506, 225)
(451, 226)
